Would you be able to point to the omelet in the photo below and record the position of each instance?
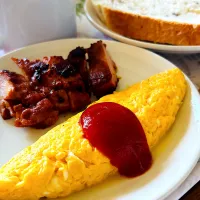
(63, 161)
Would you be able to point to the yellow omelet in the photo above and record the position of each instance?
(62, 161)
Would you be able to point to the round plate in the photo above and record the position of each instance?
(94, 19)
(174, 157)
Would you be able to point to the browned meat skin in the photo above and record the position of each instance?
(65, 69)
(6, 109)
(52, 60)
(60, 100)
(74, 82)
(56, 73)
(13, 86)
(27, 66)
(78, 59)
(54, 81)
(102, 70)
(33, 98)
(48, 121)
(41, 116)
(18, 111)
(76, 55)
(78, 100)
(44, 90)
(47, 79)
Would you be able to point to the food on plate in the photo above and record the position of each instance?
(168, 22)
(102, 70)
(55, 85)
(12, 86)
(64, 160)
(116, 132)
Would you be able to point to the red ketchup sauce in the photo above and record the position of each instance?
(117, 133)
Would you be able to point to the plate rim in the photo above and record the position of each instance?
(142, 44)
(90, 40)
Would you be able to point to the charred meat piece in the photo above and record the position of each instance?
(33, 70)
(56, 73)
(6, 109)
(60, 100)
(55, 85)
(57, 78)
(33, 98)
(18, 109)
(64, 76)
(77, 58)
(39, 69)
(76, 55)
(49, 121)
(13, 86)
(102, 70)
(42, 89)
(28, 67)
(78, 100)
(74, 83)
(65, 69)
(52, 60)
(48, 79)
(40, 116)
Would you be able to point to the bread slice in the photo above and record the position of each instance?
(174, 22)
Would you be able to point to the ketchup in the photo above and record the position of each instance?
(117, 133)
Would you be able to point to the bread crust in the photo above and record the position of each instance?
(149, 29)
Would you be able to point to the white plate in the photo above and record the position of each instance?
(94, 19)
(174, 157)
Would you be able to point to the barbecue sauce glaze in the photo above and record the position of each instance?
(117, 133)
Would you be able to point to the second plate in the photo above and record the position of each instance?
(94, 19)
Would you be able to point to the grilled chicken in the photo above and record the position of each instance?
(40, 116)
(78, 99)
(55, 85)
(77, 58)
(28, 67)
(13, 86)
(60, 100)
(49, 87)
(6, 109)
(102, 70)
(52, 60)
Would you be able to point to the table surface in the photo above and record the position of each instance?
(193, 194)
